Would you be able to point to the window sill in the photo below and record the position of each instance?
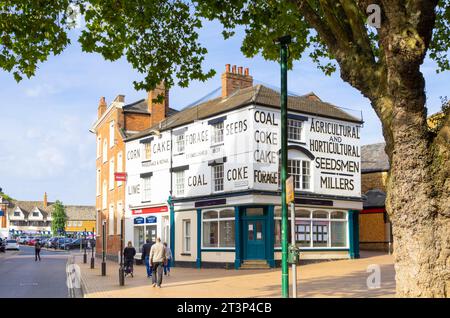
(145, 161)
(217, 145)
(146, 201)
(185, 254)
(178, 154)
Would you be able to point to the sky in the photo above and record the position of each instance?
(45, 143)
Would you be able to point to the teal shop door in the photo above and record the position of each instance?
(254, 238)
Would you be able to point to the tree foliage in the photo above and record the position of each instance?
(59, 218)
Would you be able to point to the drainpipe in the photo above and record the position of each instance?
(172, 211)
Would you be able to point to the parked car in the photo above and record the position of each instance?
(63, 242)
(28, 239)
(53, 242)
(22, 239)
(75, 244)
(11, 245)
(2, 245)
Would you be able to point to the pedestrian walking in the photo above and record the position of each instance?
(168, 260)
(146, 256)
(128, 254)
(37, 251)
(157, 259)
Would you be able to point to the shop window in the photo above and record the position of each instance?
(320, 234)
(186, 236)
(317, 229)
(179, 183)
(217, 173)
(138, 238)
(320, 215)
(217, 133)
(294, 129)
(219, 229)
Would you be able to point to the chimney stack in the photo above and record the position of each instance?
(232, 81)
(157, 110)
(45, 200)
(101, 107)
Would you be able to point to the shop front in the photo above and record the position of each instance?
(231, 235)
(149, 223)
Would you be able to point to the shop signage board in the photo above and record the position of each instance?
(139, 220)
(155, 209)
(150, 219)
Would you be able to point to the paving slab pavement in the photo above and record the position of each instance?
(342, 278)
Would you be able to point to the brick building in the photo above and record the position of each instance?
(115, 123)
(374, 225)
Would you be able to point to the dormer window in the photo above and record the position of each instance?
(35, 214)
(17, 213)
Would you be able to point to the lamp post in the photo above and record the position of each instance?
(104, 248)
(92, 250)
(284, 42)
(85, 255)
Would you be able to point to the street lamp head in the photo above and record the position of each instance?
(286, 39)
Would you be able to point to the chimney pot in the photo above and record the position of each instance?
(120, 98)
(45, 198)
(246, 71)
(227, 68)
(101, 107)
(232, 81)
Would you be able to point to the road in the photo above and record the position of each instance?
(22, 277)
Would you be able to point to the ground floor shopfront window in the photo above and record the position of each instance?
(315, 228)
(143, 233)
(218, 229)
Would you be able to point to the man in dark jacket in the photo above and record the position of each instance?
(146, 256)
(37, 251)
(128, 254)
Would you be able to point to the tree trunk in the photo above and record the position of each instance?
(418, 203)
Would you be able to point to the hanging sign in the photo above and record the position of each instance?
(290, 190)
(120, 176)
